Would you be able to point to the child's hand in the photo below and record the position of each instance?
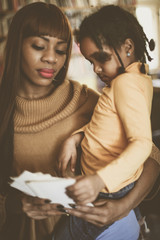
(68, 153)
(86, 189)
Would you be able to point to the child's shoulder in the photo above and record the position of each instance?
(124, 80)
(125, 77)
(130, 80)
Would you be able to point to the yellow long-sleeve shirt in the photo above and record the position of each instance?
(117, 141)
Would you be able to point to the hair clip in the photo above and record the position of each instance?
(151, 45)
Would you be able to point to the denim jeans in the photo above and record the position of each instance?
(126, 228)
(74, 228)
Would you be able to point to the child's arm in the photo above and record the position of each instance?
(108, 211)
(69, 152)
(132, 98)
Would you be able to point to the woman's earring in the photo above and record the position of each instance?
(128, 54)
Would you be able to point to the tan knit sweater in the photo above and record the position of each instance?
(40, 128)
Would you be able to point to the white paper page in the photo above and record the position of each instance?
(53, 190)
(44, 186)
(19, 182)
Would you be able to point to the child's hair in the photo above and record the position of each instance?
(35, 19)
(112, 25)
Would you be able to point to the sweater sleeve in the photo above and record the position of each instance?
(133, 109)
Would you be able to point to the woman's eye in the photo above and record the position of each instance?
(37, 47)
(60, 52)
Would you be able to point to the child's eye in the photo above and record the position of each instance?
(37, 47)
(60, 52)
(102, 57)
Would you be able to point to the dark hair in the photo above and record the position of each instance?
(32, 20)
(112, 25)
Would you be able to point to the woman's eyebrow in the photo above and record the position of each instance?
(44, 38)
(61, 41)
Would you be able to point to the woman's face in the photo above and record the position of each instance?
(42, 59)
(105, 63)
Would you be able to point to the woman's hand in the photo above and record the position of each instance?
(38, 209)
(104, 212)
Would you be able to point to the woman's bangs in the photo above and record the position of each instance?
(54, 26)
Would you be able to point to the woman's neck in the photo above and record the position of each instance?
(35, 93)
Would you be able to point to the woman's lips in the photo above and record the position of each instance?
(46, 73)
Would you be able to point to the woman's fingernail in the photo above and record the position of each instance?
(62, 210)
(78, 206)
(60, 206)
(72, 205)
(47, 201)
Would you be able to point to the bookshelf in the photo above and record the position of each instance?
(72, 8)
(75, 10)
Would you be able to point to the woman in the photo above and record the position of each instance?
(39, 109)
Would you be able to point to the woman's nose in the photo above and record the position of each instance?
(49, 56)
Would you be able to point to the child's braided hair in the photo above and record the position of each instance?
(112, 25)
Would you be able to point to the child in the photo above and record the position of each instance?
(117, 141)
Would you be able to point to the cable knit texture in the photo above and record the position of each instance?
(37, 115)
(40, 128)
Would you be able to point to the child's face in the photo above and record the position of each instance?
(105, 63)
(42, 59)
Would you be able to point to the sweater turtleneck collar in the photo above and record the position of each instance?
(38, 114)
